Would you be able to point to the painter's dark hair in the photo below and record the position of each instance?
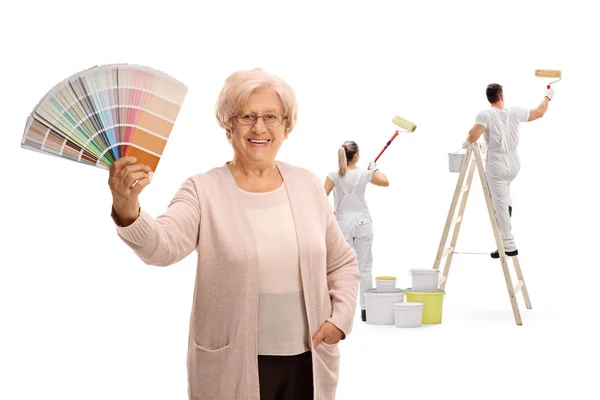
(493, 92)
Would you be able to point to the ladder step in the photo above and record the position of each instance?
(465, 189)
(518, 287)
(456, 220)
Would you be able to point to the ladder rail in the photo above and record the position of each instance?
(457, 192)
(461, 212)
(498, 237)
(522, 279)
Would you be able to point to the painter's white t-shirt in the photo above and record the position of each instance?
(348, 180)
(502, 133)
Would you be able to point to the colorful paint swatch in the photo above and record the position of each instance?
(101, 114)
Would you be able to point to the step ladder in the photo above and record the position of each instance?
(473, 159)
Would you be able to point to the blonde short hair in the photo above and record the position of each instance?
(241, 84)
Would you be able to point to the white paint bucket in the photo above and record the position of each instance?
(385, 283)
(455, 161)
(424, 280)
(408, 315)
(380, 305)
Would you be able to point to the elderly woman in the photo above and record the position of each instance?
(276, 283)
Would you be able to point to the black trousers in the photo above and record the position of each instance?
(286, 377)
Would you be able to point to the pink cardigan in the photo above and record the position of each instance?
(205, 215)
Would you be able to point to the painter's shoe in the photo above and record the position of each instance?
(509, 211)
(363, 315)
(496, 254)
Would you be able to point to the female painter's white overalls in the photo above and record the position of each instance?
(354, 219)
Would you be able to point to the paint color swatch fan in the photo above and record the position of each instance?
(107, 112)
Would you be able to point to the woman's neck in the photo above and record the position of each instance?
(252, 169)
(255, 177)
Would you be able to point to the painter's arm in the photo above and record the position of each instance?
(328, 185)
(475, 133)
(539, 111)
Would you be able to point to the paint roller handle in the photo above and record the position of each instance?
(386, 145)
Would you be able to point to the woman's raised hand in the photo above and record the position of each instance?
(127, 179)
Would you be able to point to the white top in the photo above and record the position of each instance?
(282, 320)
(502, 133)
(348, 181)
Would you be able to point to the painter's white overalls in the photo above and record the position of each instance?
(503, 164)
(354, 219)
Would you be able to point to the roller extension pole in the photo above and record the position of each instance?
(386, 145)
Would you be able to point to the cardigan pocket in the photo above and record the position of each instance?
(330, 356)
(207, 350)
(331, 348)
(207, 368)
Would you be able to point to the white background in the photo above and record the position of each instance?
(82, 318)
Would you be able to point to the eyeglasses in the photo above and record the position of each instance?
(268, 119)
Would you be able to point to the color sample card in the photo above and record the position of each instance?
(101, 114)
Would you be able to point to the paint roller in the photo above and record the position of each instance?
(549, 73)
(402, 123)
